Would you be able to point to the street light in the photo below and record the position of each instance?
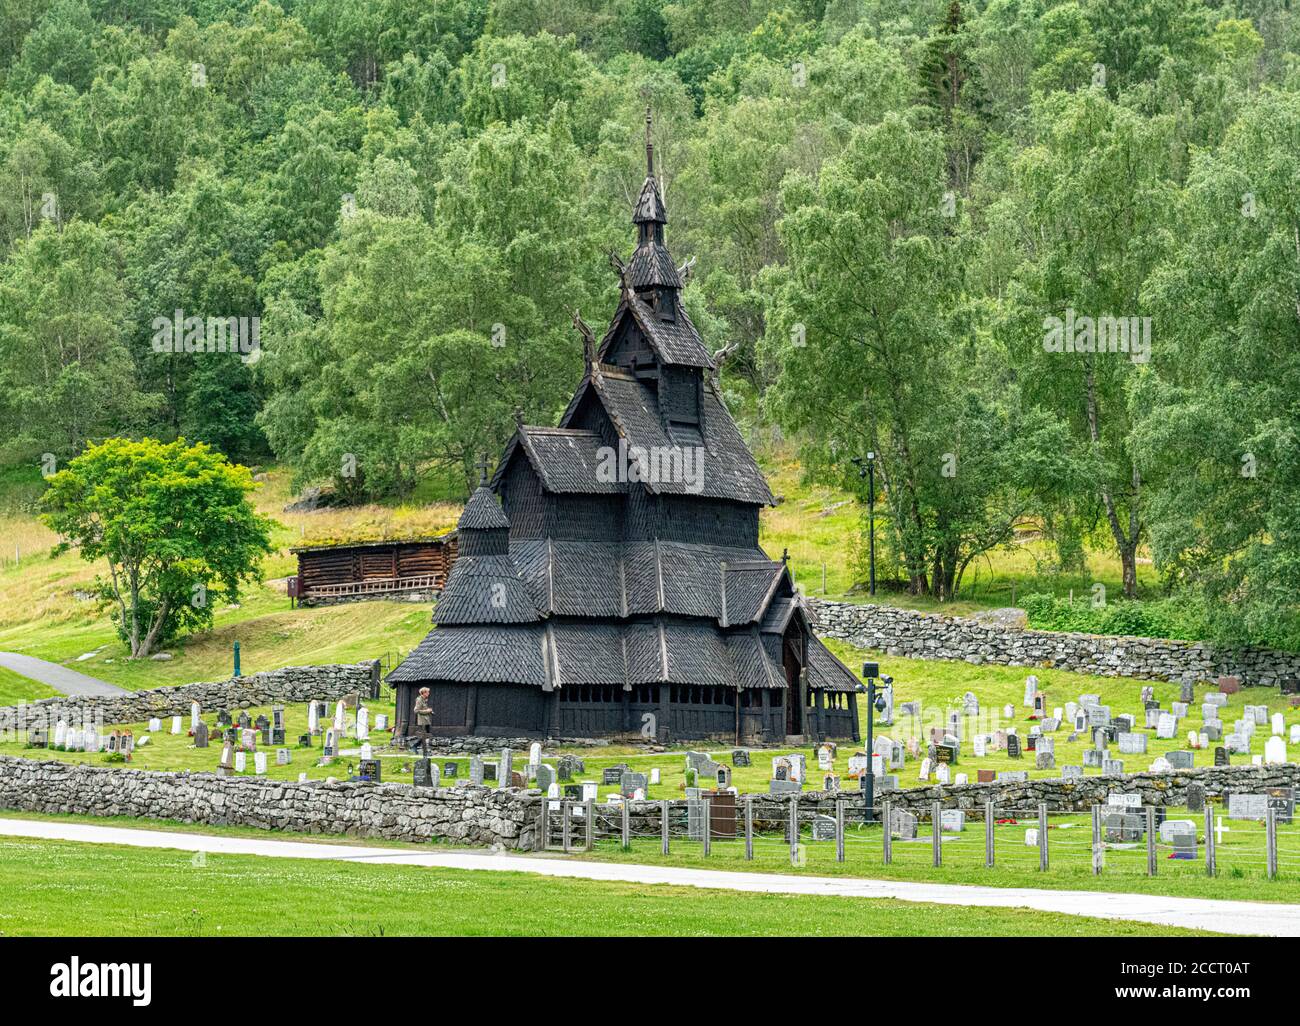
(875, 704)
(867, 469)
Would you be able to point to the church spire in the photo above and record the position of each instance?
(651, 266)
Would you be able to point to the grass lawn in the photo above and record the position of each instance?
(1240, 856)
(71, 889)
(938, 685)
(15, 688)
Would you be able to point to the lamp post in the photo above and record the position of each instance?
(874, 703)
(867, 469)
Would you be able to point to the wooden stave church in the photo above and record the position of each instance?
(585, 605)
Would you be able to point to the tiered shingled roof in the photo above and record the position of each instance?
(606, 600)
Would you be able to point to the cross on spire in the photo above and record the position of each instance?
(482, 465)
(649, 145)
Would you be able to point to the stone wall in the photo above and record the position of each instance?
(906, 632)
(290, 684)
(400, 812)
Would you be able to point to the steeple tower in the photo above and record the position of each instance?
(651, 268)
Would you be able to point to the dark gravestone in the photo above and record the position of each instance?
(450, 769)
(244, 720)
(277, 735)
(200, 735)
(422, 773)
(1013, 746)
(369, 770)
(1290, 685)
(1221, 757)
(304, 740)
(573, 792)
(1195, 798)
(740, 757)
(613, 774)
(1282, 801)
(945, 753)
(223, 718)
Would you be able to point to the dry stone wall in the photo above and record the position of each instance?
(399, 812)
(290, 684)
(906, 632)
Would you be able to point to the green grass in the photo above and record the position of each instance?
(939, 686)
(71, 889)
(1240, 859)
(15, 688)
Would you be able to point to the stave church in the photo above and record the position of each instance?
(608, 580)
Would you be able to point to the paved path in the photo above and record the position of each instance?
(1243, 917)
(60, 678)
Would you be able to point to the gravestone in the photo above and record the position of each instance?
(902, 824)
(283, 757)
(630, 782)
(370, 769)
(985, 776)
(1045, 761)
(1013, 746)
(1093, 757)
(1124, 828)
(783, 787)
(1187, 692)
(421, 773)
(1221, 757)
(613, 775)
(1229, 685)
(952, 821)
(1112, 768)
(223, 718)
(451, 769)
(1195, 797)
(476, 771)
(1179, 709)
(304, 740)
(823, 828)
(200, 735)
(1213, 731)
(545, 777)
(1247, 806)
(1013, 776)
(740, 758)
(1132, 744)
(1282, 801)
(1180, 760)
(1071, 772)
(1275, 751)
(505, 771)
(1166, 726)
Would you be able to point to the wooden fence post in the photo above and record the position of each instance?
(990, 825)
(887, 842)
(706, 828)
(1270, 840)
(749, 827)
(1098, 849)
(627, 825)
(794, 830)
(936, 833)
(1210, 867)
(1042, 837)
(565, 828)
(591, 824)
(1151, 840)
(839, 830)
(663, 824)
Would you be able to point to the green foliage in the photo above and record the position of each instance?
(1165, 618)
(174, 523)
(920, 184)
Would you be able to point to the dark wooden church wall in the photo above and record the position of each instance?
(522, 499)
(582, 517)
(509, 710)
(685, 518)
(679, 394)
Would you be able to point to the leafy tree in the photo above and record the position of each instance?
(173, 522)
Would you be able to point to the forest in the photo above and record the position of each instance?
(1040, 258)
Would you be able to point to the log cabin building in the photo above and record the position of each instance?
(609, 579)
(410, 569)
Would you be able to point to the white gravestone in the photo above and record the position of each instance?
(313, 718)
(176, 724)
(241, 762)
(155, 725)
(363, 723)
(259, 763)
(195, 713)
(1274, 751)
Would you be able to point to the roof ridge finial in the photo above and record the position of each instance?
(649, 144)
(482, 465)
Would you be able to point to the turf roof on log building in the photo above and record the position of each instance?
(618, 586)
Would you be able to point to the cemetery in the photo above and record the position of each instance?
(337, 765)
